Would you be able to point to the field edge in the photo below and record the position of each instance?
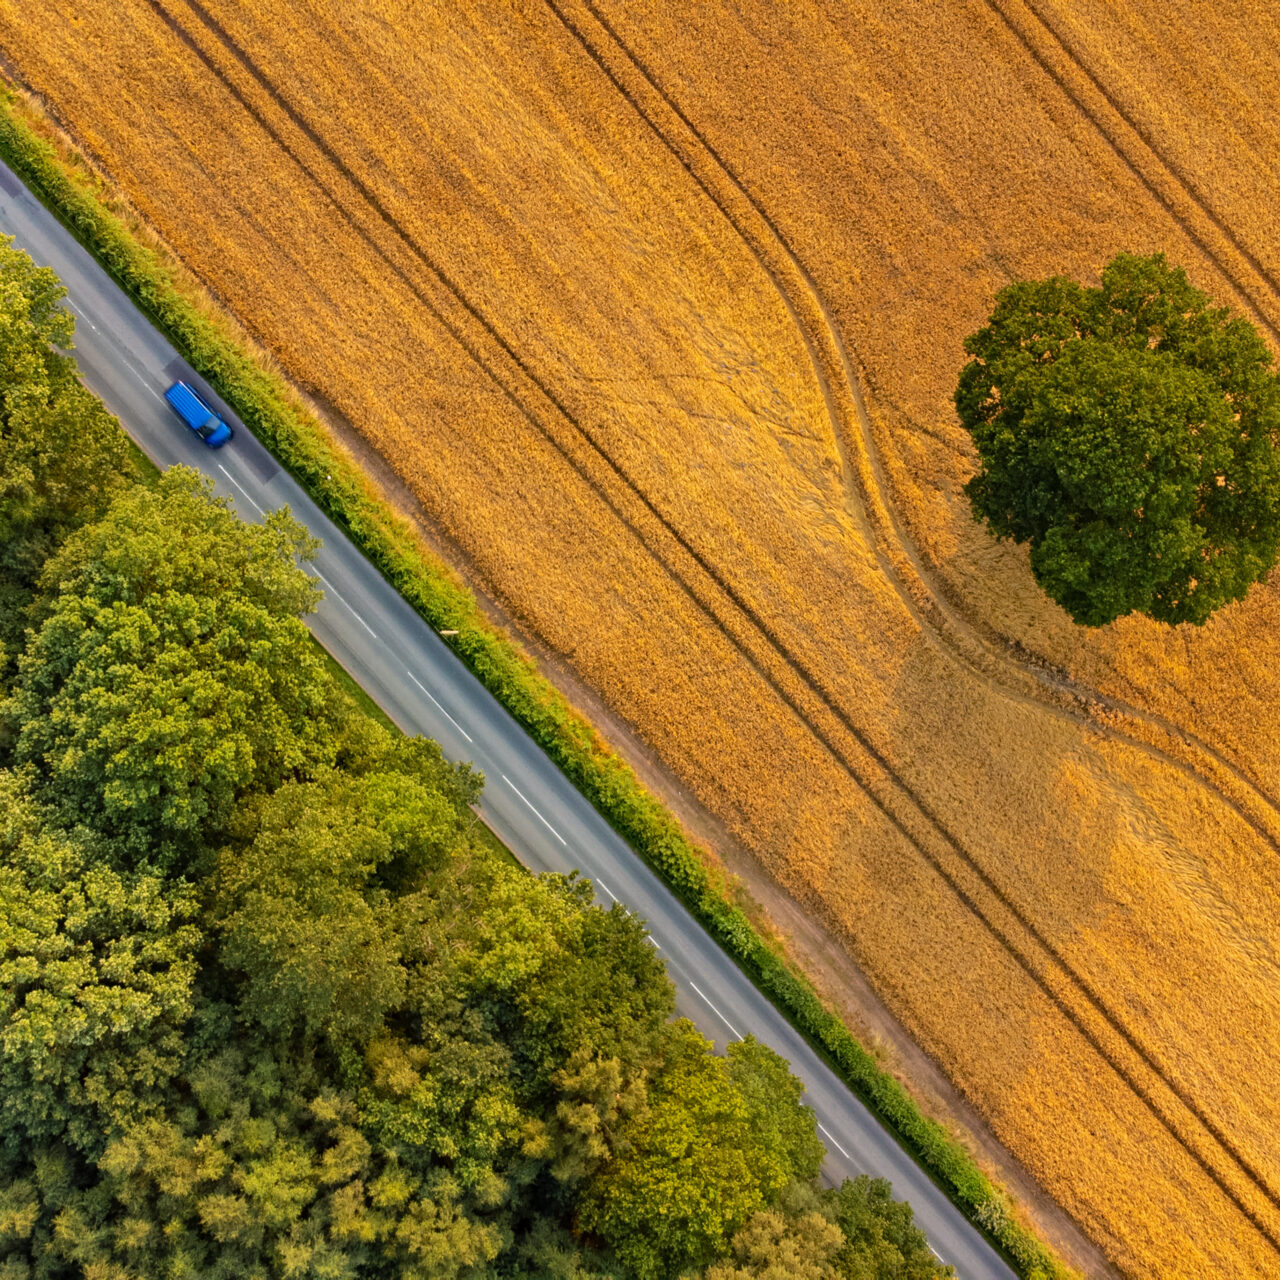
(277, 416)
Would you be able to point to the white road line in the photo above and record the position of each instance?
(536, 814)
(332, 588)
(606, 888)
(439, 708)
(71, 306)
(242, 489)
(657, 946)
(822, 1128)
(716, 1011)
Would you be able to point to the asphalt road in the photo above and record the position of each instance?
(411, 673)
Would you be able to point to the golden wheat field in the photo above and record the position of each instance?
(682, 298)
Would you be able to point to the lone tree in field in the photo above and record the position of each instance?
(1130, 434)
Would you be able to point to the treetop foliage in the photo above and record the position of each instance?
(176, 537)
(706, 1126)
(97, 970)
(61, 452)
(62, 455)
(1129, 434)
(169, 673)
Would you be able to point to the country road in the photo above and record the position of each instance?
(412, 674)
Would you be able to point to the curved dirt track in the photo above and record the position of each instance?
(984, 651)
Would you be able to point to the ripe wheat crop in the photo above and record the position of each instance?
(658, 318)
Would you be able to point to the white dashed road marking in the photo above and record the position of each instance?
(536, 814)
(331, 587)
(442, 711)
(822, 1128)
(242, 489)
(717, 1012)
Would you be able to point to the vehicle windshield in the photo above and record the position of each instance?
(208, 426)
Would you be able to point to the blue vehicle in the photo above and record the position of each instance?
(197, 415)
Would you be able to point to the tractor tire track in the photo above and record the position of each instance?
(1172, 172)
(988, 653)
(1042, 963)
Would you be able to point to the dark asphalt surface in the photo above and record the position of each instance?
(416, 679)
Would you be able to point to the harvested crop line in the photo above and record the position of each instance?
(971, 645)
(1171, 172)
(795, 668)
(1191, 188)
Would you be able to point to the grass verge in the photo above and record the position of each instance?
(277, 416)
(487, 838)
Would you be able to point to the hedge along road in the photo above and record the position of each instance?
(418, 681)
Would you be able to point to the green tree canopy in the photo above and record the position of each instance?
(781, 1124)
(305, 893)
(549, 977)
(1129, 434)
(882, 1241)
(529, 1023)
(302, 921)
(61, 453)
(856, 1231)
(97, 969)
(693, 1165)
(176, 537)
(771, 1246)
(263, 1170)
(169, 674)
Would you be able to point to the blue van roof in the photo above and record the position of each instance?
(194, 411)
